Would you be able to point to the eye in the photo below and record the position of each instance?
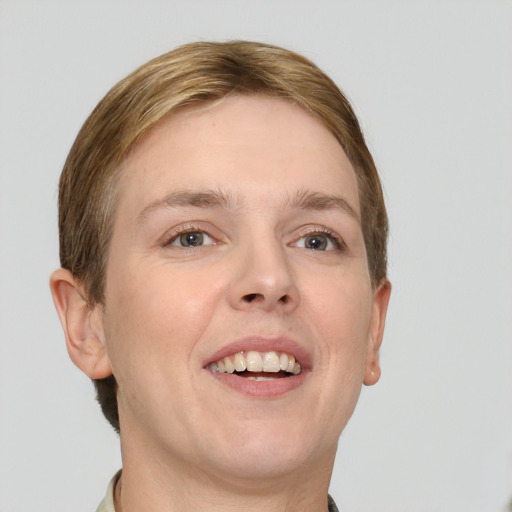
(320, 241)
(316, 243)
(192, 239)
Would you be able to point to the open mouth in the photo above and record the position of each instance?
(258, 366)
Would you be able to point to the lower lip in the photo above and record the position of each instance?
(262, 389)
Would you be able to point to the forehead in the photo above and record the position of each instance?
(248, 145)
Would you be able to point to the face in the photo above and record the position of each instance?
(239, 319)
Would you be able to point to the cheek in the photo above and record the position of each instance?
(153, 321)
(339, 310)
(340, 303)
(159, 309)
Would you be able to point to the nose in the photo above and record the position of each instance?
(264, 280)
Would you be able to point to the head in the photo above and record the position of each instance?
(194, 75)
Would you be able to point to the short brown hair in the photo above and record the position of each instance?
(191, 74)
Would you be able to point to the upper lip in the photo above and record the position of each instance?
(264, 344)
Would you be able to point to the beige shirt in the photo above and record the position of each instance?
(107, 505)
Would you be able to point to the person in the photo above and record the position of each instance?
(223, 282)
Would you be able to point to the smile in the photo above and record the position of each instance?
(261, 367)
(258, 366)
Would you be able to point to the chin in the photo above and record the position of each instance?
(260, 466)
(269, 450)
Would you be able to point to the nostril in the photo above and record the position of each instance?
(252, 297)
(258, 297)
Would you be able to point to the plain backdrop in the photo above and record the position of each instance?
(432, 85)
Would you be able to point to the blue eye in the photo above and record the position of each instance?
(192, 239)
(320, 239)
(316, 242)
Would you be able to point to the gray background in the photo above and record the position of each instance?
(431, 82)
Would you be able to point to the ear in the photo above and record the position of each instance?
(82, 324)
(376, 332)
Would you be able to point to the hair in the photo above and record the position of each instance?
(192, 74)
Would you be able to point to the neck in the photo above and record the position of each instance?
(152, 484)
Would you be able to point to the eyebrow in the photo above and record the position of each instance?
(302, 200)
(187, 198)
(305, 200)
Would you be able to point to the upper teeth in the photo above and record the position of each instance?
(254, 361)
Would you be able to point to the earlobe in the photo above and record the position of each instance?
(82, 325)
(377, 322)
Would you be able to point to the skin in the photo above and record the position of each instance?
(190, 442)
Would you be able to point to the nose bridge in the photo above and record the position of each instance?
(264, 278)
